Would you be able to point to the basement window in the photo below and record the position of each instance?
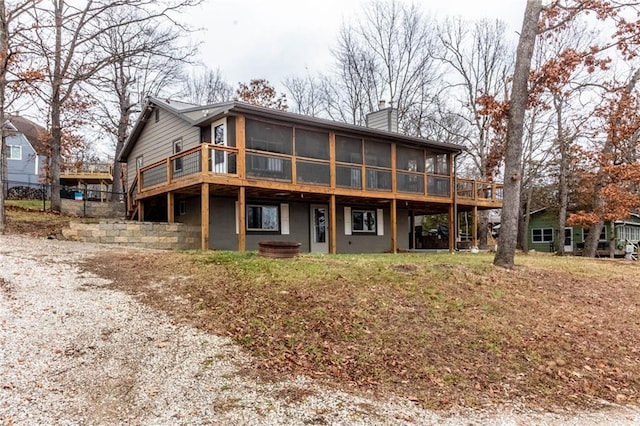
(263, 218)
(363, 221)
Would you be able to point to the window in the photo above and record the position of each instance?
(219, 157)
(177, 147)
(157, 114)
(14, 152)
(262, 218)
(182, 208)
(542, 235)
(139, 162)
(363, 221)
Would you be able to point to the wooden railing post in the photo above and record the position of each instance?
(205, 158)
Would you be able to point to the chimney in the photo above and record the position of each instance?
(384, 118)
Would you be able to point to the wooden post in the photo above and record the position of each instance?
(333, 232)
(140, 211)
(474, 230)
(170, 207)
(412, 230)
(394, 227)
(242, 229)
(393, 169)
(205, 158)
(241, 161)
(332, 159)
(452, 230)
(169, 170)
(204, 216)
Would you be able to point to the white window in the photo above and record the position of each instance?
(219, 136)
(14, 152)
(363, 221)
(177, 147)
(262, 218)
(139, 162)
(542, 235)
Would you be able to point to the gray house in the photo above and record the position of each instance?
(243, 174)
(26, 159)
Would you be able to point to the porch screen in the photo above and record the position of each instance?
(269, 167)
(268, 137)
(313, 172)
(312, 144)
(348, 150)
(377, 154)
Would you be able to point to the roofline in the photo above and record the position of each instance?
(236, 107)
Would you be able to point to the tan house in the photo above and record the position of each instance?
(245, 174)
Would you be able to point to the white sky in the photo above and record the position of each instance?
(274, 39)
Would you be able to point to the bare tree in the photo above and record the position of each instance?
(65, 42)
(478, 56)
(387, 55)
(307, 94)
(513, 151)
(148, 58)
(13, 73)
(207, 87)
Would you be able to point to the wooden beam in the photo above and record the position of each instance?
(394, 226)
(474, 230)
(241, 164)
(242, 229)
(171, 207)
(333, 231)
(452, 230)
(332, 159)
(204, 216)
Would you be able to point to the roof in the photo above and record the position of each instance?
(213, 112)
(35, 133)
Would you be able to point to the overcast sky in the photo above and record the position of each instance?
(273, 39)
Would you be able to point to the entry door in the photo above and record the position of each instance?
(319, 228)
(568, 240)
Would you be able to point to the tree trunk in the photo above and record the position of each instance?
(563, 181)
(56, 130)
(591, 243)
(4, 48)
(513, 154)
(483, 229)
(612, 239)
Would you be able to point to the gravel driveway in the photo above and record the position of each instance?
(75, 352)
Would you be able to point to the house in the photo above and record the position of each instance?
(26, 153)
(543, 224)
(245, 174)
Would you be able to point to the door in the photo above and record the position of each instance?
(568, 240)
(219, 157)
(319, 228)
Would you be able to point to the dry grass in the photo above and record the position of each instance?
(24, 218)
(443, 330)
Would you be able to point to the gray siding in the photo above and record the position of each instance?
(24, 170)
(366, 243)
(156, 140)
(384, 119)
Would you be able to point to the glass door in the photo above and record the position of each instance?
(319, 229)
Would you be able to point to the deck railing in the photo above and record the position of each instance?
(475, 190)
(280, 167)
(82, 168)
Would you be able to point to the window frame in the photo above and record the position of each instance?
(139, 162)
(542, 239)
(262, 207)
(372, 213)
(10, 157)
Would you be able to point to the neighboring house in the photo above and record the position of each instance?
(274, 175)
(543, 224)
(26, 159)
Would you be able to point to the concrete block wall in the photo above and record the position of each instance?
(164, 236)
(107, 209)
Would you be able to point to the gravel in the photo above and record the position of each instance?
(75, 352)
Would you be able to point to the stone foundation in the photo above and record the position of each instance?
(82, 208)
(164, 236)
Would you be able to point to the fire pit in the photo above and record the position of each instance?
(278, 249)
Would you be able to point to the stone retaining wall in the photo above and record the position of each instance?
(85, 208)
(165, 236)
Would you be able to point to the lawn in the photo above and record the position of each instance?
(442, 329)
